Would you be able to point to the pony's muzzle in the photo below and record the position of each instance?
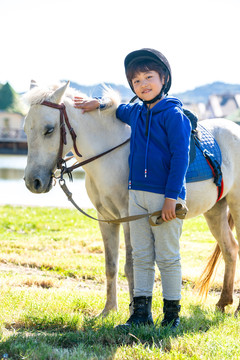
(38, 185)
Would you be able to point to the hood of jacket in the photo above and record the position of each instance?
(163, 105)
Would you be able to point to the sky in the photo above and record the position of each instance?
(86, 41)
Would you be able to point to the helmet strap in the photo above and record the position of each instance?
(158, 97)
(133, 99)
(148, 102)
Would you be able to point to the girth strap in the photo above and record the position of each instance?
(215, 167)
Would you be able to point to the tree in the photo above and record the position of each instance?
(10, 100)
(6, 96)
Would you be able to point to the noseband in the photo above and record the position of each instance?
(63, 138)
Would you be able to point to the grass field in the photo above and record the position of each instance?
(52, 278)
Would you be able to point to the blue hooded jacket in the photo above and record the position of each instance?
(158, 160)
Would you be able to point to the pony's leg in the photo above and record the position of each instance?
(129, 262)
(234, 205)
(110, 235)
(218, 224)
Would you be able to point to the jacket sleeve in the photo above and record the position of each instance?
(124, 112)
(178, 130)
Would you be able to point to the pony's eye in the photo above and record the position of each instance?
(49, 131)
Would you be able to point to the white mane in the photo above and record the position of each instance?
(37, 95)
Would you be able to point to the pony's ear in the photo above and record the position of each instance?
(33, 84)
(57, 96)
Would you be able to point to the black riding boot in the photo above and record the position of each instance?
(171, 310)
(141, 313)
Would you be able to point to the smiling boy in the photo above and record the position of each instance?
(158, 162)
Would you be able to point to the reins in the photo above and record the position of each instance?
(82, 163)
(181, 211)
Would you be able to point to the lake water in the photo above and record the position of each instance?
(14, 192)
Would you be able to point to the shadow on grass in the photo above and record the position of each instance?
(99, 339)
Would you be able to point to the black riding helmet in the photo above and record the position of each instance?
(149, 54)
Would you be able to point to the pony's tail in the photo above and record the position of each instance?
(209, 273)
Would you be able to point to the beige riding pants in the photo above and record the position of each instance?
(155, 245)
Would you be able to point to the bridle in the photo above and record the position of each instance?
(61, 164)
(63, 138)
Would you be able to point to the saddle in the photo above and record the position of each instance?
(205, 155)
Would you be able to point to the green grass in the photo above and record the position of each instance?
(52, 278)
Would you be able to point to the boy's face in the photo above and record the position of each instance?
(147, 85)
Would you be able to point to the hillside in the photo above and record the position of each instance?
(202, 93)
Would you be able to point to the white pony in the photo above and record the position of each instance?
(106, 179)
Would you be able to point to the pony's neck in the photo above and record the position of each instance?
(97, 131)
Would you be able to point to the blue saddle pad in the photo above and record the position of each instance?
(199, 169)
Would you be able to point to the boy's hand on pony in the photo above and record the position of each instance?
(85, 104)
(169, 209)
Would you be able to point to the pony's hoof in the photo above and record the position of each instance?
(220, 308)
(106, 312)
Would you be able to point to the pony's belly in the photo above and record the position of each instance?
(201, 197)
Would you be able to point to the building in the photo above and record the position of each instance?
(12, 137)
(219, 106)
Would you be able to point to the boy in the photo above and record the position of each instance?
(158, 161)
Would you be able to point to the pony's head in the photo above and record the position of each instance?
(42, 127)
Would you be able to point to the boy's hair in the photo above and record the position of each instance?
(144, 66)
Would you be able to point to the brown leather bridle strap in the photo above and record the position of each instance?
(63, 138)
(87, 161)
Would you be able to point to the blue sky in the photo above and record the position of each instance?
(86, 41)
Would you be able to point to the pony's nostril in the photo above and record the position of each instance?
(37, 184)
